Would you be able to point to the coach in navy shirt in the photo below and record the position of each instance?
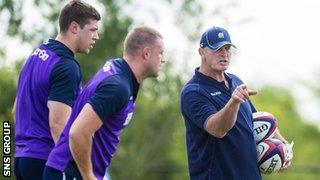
(218, 116)
(49, 83)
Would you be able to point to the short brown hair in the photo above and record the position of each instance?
(78, 11)
(138, 38)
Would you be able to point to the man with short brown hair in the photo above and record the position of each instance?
(48, 85)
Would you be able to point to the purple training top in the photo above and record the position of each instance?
(32, 133)
(36, 85)
(107, 138)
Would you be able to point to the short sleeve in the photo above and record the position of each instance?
(253, 109)
(65, 82)
(196, 108)
(110, 97)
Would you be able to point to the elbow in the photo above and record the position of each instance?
(72, 134)
(75, 134)
(215, 130)
(218, 134)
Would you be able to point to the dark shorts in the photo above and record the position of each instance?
(28, 168)
(54, 174)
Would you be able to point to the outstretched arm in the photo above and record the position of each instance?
(221, 122)
(80, 137)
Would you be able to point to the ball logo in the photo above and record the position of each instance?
(273, 164)
(261, 128)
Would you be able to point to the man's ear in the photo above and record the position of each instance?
(73, 28)
(201, 52)
(146, 52)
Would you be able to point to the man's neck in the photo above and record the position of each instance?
(136, 68)
(217, 75)
(66, 41)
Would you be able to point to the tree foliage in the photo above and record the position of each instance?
(7, 92)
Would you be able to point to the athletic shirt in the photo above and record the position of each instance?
(49, 73)
(112, 93)
(232, 157)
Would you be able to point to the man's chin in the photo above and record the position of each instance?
(86, 51)
(154, 75)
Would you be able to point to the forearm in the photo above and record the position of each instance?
(56, 130)
(277, 135)
(221, 122)
(80, 146)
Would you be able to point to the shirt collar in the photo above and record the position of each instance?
(59, 45)
(209, 80)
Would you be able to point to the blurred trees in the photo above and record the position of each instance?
(8, 77)
(153, 145)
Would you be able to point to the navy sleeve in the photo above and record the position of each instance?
(253, 109)
(197, 108)
(110, 97)
(65, 79)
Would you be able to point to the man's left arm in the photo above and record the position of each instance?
(288, 151)
(80, 138)
(64, 85)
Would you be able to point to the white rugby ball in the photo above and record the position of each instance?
(264, 126)
(271, 155)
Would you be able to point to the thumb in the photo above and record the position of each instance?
(252, 92)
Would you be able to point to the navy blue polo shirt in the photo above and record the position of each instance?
(232, 157)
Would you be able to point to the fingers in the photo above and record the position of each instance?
(252, 92)
(288, 157)
(242, 93)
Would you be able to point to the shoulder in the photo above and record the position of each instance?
(234, 77)
(67, 65)
(116, 83)
(191, 87)
(66, 70)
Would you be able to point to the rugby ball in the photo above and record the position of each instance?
(271, 155)
(264, 126)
